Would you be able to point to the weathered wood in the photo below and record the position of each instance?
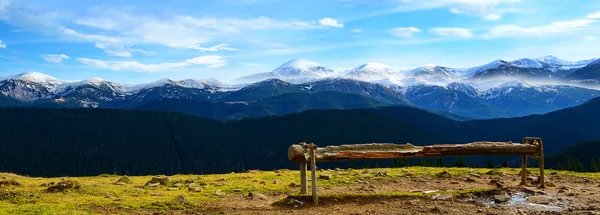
(303, 180)
(524, 170)
(313, 170)
(297, 153)
(541, 160)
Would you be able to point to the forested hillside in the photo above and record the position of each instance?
(54, 142)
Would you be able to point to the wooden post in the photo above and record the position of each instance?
(524, 170)
(313, 170)
(541, 160)
(303, 181)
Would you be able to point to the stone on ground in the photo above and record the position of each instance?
(326, 177)
(10, 182)
(161, 180)
(181, 200)
(63, 186)
(125, 179)
(539, 199)
(257, 196)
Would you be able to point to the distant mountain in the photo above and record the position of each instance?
(433, 73)
(275, 87)
(28, 87)
(271, 106)
(294, 70)
(590, 73)
(548, 67)
(371, 72)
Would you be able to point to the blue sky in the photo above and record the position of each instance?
(139, 41)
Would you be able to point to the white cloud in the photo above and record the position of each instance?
(211, 61)
(552, 28)
(55, 58)
(214, 48)
(404, 32)
(452, 32)
(590, 37)
(357, 30)
(486, 9)
(594, 15)
(331, 23)
(2, 45)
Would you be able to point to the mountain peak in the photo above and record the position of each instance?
(372, 65)
(299, 63)
(35, 77)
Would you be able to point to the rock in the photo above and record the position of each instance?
(191, 184)
(454, 182)
(480, 204)
(475, 175)
(181, 200)
(194, 189)
(366, 171)
(63, 185)
(587, 180)
(263, 183)
(499, 184)
(538, 199)
(237, 190)
(429, 191)
(178, 185)
(153, 185)
(326, 177)
(444, 174)
(253, 171)
(10, 182)
(120, 183)
(220, 193)
(293, 185)
(468, 179)
(172, 188)
(277, 181)
(550, 184)
(160, 180)
(554, 173)
(157, 194)
(338, 169)
(381, 173)
(444, 197)
(257, 196)
(500, 198)
(125, 179)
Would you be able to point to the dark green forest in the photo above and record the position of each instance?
(57, 142)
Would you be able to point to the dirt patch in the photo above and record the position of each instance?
(64, 186)
(12, 182)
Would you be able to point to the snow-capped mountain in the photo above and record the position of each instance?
(297, 70)
(434, 73)
(548, 67)
(29, 86)
(590, 73)
(371, 72)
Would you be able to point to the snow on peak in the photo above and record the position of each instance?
(39, 78)
(35, 77)
(299, 64)
(515, 83)
(429, 66)
(373, 66)
(301, 69)
(527, 63)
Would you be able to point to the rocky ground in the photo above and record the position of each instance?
(414, 190)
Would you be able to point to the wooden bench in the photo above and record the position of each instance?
(304, 153)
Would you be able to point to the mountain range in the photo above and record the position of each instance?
(495, 90)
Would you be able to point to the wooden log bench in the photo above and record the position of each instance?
(304, 153)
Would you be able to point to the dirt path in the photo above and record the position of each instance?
(565, 195)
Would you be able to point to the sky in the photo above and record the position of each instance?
(138, 41)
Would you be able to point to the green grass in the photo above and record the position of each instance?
(31, 198)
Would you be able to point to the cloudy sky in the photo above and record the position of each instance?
(138, 41)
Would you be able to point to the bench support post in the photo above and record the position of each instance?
(313, 170)
(303, 181)
(524, 169)
(541, 159)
